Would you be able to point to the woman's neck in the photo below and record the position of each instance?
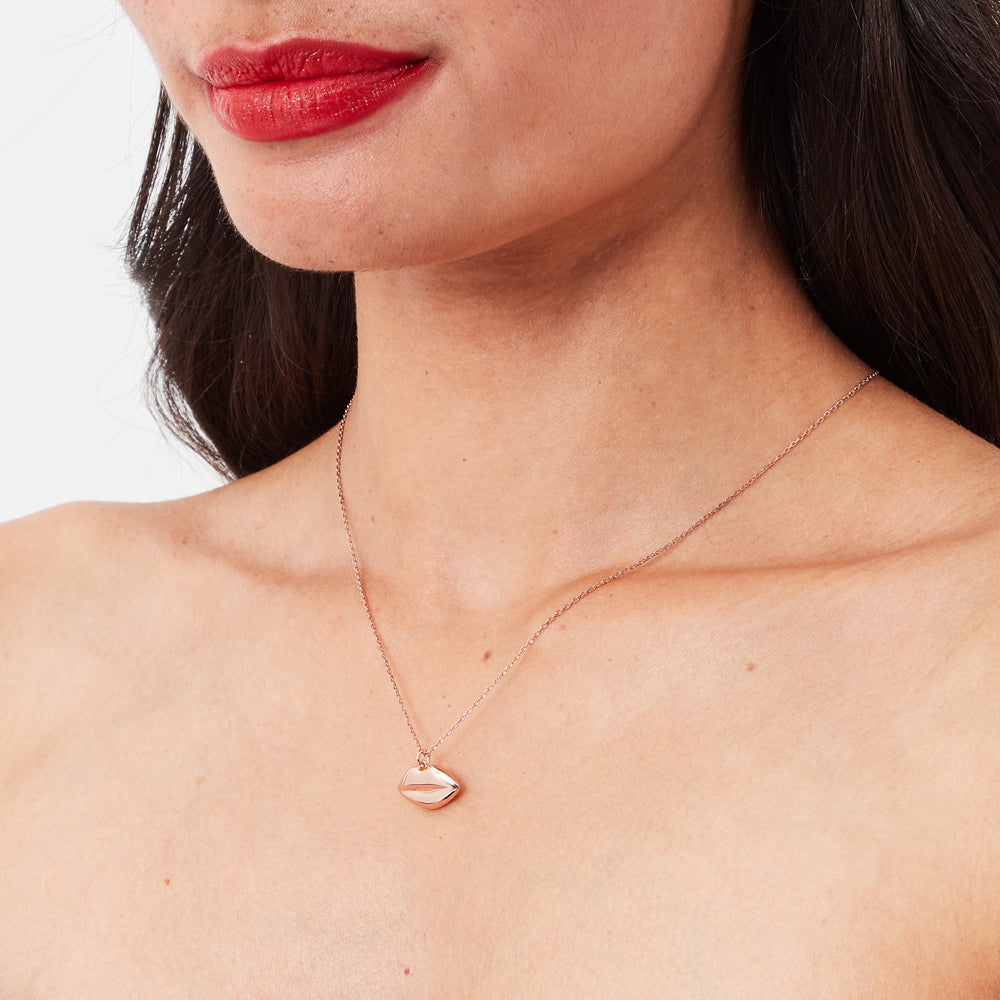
(538, 416)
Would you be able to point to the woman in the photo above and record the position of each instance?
(763, 763)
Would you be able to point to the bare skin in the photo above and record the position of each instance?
(764, 766)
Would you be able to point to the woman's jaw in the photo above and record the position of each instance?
(503, 120)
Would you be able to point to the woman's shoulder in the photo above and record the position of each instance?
(77, 554)
(75, 577)
(929, 508)
(69, 556)
(86, 584)
(60, 560)
(98, 603)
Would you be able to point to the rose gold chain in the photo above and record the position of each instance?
(423, 753)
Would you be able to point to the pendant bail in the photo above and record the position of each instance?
(423, 759)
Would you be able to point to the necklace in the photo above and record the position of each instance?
(429, 786)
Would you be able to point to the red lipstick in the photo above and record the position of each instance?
(303, 86)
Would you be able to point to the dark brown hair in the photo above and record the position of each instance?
(253, 360)
(871, 131)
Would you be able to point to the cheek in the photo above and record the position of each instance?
(170, 29)
(157, 21)
(608, 94)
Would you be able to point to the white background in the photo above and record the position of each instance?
(79, 95)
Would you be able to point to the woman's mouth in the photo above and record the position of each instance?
(303, 86)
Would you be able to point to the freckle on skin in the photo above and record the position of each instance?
(487, 655)
(166, 881)
(751, 667)
(200, 780)
(406, 972)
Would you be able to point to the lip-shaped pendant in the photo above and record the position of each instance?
(429, 787)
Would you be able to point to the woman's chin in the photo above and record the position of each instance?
(367, 243)
(345, 256)
(312, 248)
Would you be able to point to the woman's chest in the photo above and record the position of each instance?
(591, 881)
(683, 821)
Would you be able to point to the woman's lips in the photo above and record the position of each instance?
(303, 86)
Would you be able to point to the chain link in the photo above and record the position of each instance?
(423, 753)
